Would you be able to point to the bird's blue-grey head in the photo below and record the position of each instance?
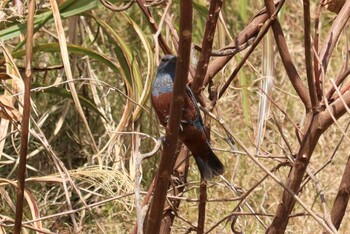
(168, 65)
(165, 76)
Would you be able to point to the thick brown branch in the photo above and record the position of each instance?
(336, 109)
(287, 58)
(319, 124)
(316, 46)
(334, 5)
(180, 173)
(172, 130)
(207, 45)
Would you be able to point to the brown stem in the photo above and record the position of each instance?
(295, 177)
(25, 118)
(207, 46)
(291, 70)
(172, 130)
(180, 171)
(342, 198)
(153, 26)
(201, 206)
(340, 79)
(316, 43)
(319, 123)
(333, 36)
(308, 56)
(334, 5)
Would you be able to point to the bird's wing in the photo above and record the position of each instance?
(198, 114)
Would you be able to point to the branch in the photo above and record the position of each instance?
(172, 130)
(201, 206)
(250, 51)
(336, 110)
(316, 48)
(333, 37)
(153, 26)
(249, 32)
(25, 118)
(207, 45)
(340, 79)
(342, 198)
(308, 56)
(180, 180)
(287, 58)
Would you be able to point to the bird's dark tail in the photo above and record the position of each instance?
(210, 165)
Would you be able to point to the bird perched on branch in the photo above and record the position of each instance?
(192, 132)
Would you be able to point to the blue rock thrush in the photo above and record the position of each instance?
(192, 132)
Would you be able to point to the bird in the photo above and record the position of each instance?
(191, 132)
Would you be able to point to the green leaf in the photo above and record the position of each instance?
(67, 9)
(54, 47)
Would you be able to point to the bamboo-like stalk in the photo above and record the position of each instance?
(25, 118)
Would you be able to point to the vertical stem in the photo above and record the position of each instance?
(308, 56)
(25, 119)
(295, 177)
(207, 45)
(179, 184)
(172, 130)
(342, 199)
(201, 206)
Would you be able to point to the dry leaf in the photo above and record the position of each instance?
(8, 111)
